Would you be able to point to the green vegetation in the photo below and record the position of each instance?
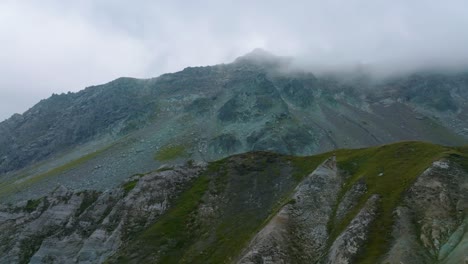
(31, 205)
(13, 186)
(29, 246)
(182, 235)
(460, 156)
(89, 198)
(237, 179)
(170, 232)
(128, 186)
(306, 165)
(170, 152)
(66, 167)
(388, 170)
(241, 191)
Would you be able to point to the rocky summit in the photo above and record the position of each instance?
(253, 161)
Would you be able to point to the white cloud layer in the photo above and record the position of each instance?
(54, 46)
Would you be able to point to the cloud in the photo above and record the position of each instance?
(58, 46)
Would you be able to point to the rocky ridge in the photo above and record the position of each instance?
(339, 207)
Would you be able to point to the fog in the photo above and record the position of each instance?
(54, 46)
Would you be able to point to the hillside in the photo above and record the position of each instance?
(399, 203)
(95, 138)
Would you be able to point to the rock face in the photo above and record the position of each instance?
(346, 246)
(87, 227)
(95, 138)
(298, 233)
(431, 223)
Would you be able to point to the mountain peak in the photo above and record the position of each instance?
(260, 53)
(260, 56)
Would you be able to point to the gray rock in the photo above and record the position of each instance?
(298, 233)
(87, 227)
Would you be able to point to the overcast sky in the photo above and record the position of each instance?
(54, 46)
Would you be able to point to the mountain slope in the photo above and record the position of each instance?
(97, 137)
(404, 202)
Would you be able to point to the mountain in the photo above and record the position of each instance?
(96, 138)
(399, 203)
(248, 162)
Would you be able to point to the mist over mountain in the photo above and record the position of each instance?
(255, 103)
(238, 163)
(84, 43)
(248, 132)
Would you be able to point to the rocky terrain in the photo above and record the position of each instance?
(220, 164)
(397, 203)
(96, 138)
(87, 227)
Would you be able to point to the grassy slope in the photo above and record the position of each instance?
(10, 187)
(182, 236)
(398, 166)
(169, 231)
(170, 152)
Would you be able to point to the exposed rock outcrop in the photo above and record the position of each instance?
(298, 233)
(347, 245)
(87, 227)
(431, 224)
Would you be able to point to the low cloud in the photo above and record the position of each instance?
(55, 46)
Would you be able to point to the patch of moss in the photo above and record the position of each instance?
(30, 246)
(88, 199)
(31, 205)
(170, 152)
(128, 186)
(304, 166)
